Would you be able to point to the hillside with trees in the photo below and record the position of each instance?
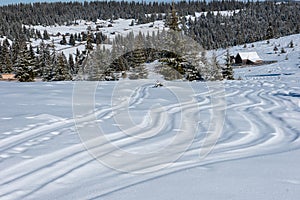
(202, 21)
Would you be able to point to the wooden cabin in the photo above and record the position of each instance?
(249, 58)
(7, 77)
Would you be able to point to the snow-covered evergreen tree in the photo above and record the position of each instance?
(227, 70)
(214, 71)
(172, 20)
(24, 64)
(50, 63)
(71, 64)
(61, 72)
(6, 65)
(89, 40)
(46, 35)
(44, 60)
(99, 64)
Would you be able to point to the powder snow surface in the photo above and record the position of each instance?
(249, 130)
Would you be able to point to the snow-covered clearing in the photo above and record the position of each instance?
(119, 27)
(45, 129)
(222, 13)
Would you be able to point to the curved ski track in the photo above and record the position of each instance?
(259, 120)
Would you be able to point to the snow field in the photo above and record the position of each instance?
(46, 159)
(255, 156)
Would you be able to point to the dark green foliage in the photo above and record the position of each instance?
(253, 22)
(246, 26)
(89, 41)
(24, 65)
(45, 35)
(5, 58)
(61, 72)
(72, 40)
(100, 38)
(172, 20)
(291, 44)
(227, 71)
(72, 66)
(63, 41)
(270, 32)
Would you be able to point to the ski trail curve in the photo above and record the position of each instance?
(261, 118)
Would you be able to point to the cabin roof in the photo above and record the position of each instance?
(252, 56)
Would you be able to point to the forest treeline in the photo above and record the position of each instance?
(253, 21)
(250, 21)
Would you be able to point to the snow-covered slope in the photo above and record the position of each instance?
(42, 156)
(119, 27)
(224, 140)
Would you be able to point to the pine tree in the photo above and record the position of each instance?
(138, 58)
(227, 70)
(89, 40)
(100, 38)
(215, 71)
(5, 60)
(72, 65)
(63, 41)
(78, 61)
(61, 71)
(24, 64)
(43, 59)
(45, 35)
(172, 20)
(49, 62)
(270, 32)
(99, 65)
(139, 51)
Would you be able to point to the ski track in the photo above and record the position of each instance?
(265, 131)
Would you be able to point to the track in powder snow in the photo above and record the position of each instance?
(46, 160)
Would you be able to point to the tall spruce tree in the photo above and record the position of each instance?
(24, 64)
(227, 70)
(6, 65)
(89, 41)
(172, 19)
(72, 40)
(61, 71)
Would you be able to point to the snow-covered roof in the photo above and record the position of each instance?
(252, 56)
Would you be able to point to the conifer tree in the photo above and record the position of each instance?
(5, 58)
(24, 64)
(45, 35)
(172, 19)
(61, 71)
(139, 51)
(43, 60)
(63, 41)
(214, 71)
(270, 32)
(72, 65)
(99, 64)
(227, 70)
(89, 40)
(138, 58)
(50, 63)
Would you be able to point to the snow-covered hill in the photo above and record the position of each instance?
(108, 28)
